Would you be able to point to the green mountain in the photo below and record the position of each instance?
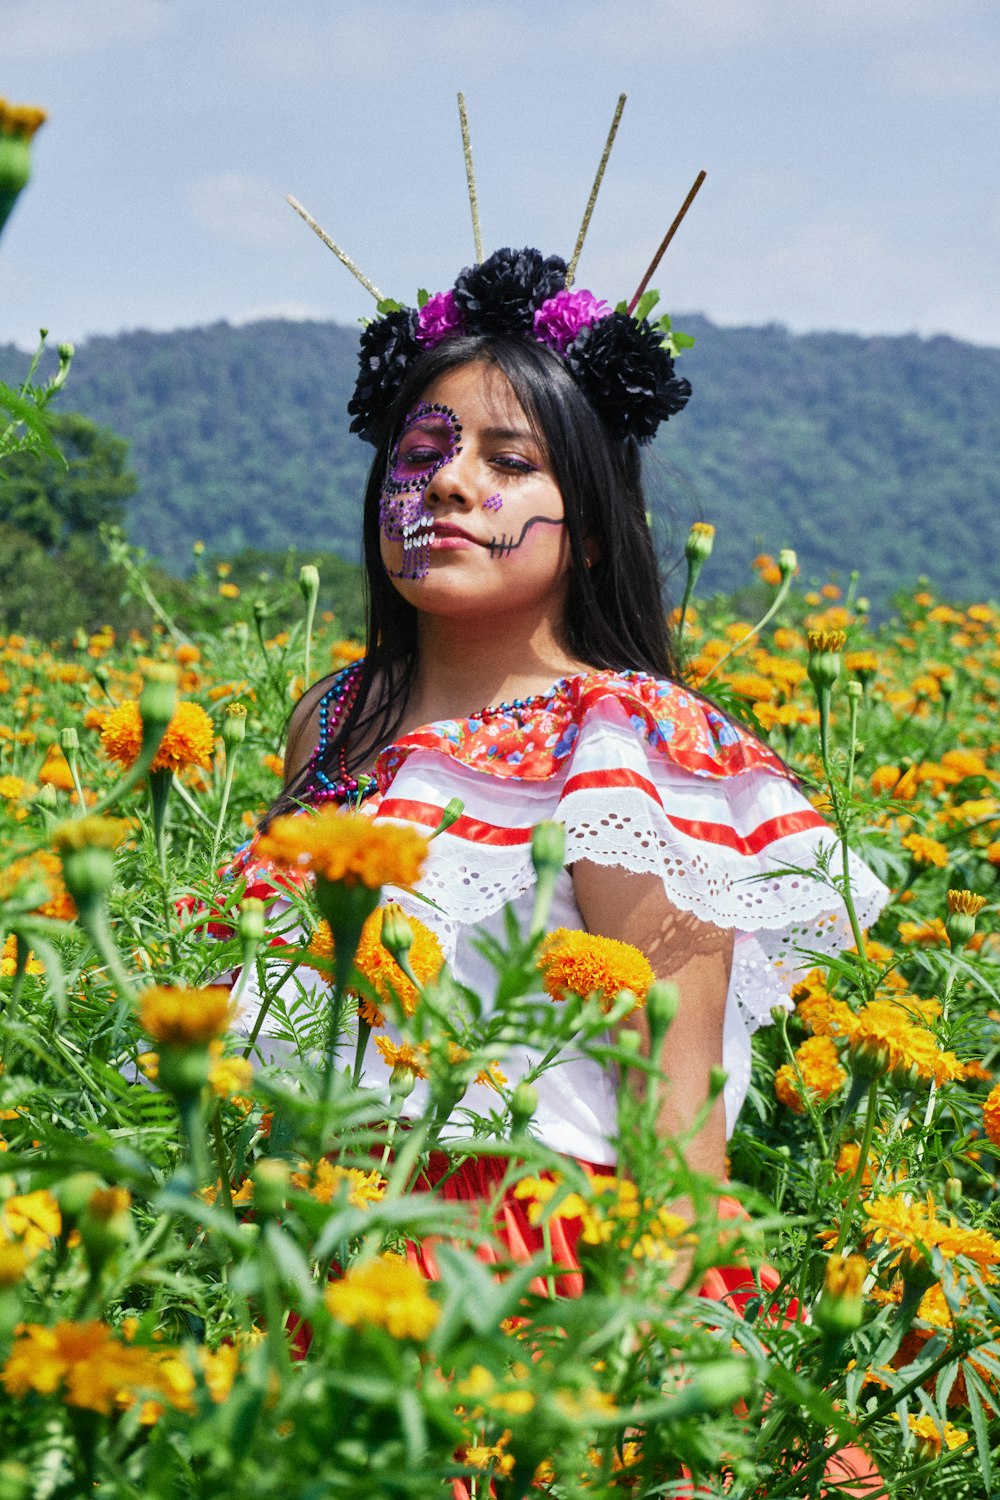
(875, 453)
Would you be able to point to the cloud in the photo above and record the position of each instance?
(66, 28)
(239, 207)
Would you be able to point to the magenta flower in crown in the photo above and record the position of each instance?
(439, 317)
(558, 321)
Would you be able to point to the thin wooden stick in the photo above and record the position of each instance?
(666, 240)
(470, 178)
(341, 255)
(571, 269)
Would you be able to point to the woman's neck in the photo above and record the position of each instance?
(464, 665)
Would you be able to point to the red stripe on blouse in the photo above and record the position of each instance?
(478, 832)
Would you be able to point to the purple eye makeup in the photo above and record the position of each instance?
(429, 440)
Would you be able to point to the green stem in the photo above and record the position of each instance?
(192, 1122)
(776, 604)
(221, 1160)
(859, 1171)
(226, 790)
(159, 795)
(364, 1032)
(307, 655)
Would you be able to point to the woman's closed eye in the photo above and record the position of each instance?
(514, 463)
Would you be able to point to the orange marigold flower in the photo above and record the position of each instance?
(55, 770)
(406, 1056)
(45, 867)
(583, 963)
(178, 1017)
(891, 781)
(187, 655)
(926, 851)
(274, 764)
(385, 1293)
(991, 1115)
(911, 1230)
(820, 1069)
(189, 740)
(926, 934)
(376, 964)
(346, 847)
(847, 1162)
(883, 1029)
(8, 960)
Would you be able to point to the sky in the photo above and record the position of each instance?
(851, 148)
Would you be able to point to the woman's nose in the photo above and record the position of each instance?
(453, 481)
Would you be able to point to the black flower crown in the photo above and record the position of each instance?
(623, 363)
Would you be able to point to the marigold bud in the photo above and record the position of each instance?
(397, 934)
(105, 1224)
(86, 848)
(309, 581)
(158, 697)
(840, 1309)
(953, 1192)
(523, 1103)
(69, 739)
(662, 1001)
(825, 647)
(960, 923)
(234, 725)
(712, 1387)
(788, 562)
(250, 921)
(74, 1193)
(700, 540)
(548, 846)
(270, 1186)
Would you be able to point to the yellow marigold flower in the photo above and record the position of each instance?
(94, 832)
(346, 847)
(21, 121)
(930, 1436)
(911, 1230)
(826, 640)
(883, 1028)
(188, 741)
(8, 960)
(493, 1458)
(187, 655)
(926, 851)
(821, 1071)
(14, 1261)
(404, 1055)
(847, 1162)
(99, 1372)
(45, 867)
(343, 653)
(13, 788)
(863, 664)
(229, 591)
(228, 1077)
(31, 1218)
(376, 964)
(583, 963)
(966, 902)
(274, 764)
(385, 1293)
(991, 1115)
(219, 1367)
(179, 1017)
(751, 685)
(325, 1178)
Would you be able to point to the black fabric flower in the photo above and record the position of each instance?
(388, 347)
(627, 375)
(501, 295)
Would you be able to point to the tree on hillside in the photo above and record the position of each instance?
(52, 501)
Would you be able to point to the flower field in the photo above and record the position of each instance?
(209, 1280)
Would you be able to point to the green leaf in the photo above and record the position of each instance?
(423, 297)
(645, 306)
(978, 1391)
(389, 305)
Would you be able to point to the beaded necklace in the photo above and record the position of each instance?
(337, 703)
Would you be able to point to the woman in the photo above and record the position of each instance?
(518, 660)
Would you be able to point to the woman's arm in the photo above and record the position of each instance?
(694, 955)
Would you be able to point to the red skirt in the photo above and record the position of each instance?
(478, 1180)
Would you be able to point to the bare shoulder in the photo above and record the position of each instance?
(303, 729)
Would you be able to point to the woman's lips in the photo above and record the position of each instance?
(446, 538)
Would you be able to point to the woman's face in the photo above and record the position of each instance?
(472, 520)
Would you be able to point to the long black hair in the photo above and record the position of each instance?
(614, 610)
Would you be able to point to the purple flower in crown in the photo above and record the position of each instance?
(558, 321)
(438, 319)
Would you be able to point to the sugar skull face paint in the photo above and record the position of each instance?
(504, 544)
(429, 440)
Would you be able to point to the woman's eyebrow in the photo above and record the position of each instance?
(506, 434)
